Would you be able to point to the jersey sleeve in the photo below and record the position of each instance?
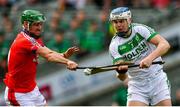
(36, 45)
(113, 51)
(147, 32)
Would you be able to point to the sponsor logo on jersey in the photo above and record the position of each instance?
(133, 48)
(131, 44)
(141, 48)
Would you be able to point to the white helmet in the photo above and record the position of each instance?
(120, 13)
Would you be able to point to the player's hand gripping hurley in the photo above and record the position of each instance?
(99, 69)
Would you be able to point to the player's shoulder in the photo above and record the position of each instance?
(114, 38)
(141, 27)
(112, 44)
(138, 25)
(114, 41)
(20, 37)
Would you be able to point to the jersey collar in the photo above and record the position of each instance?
(30, 34)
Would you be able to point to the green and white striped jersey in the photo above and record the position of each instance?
(135, 48)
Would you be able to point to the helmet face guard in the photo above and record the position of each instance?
(32, 16)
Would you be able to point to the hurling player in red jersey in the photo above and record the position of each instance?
(21, 88)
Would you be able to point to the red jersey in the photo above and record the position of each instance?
(22, 63)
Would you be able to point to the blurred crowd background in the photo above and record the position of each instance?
(82, 23)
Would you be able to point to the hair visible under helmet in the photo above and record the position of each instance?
(121, 13)
(32, 16)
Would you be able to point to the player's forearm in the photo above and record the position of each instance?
(161, 49)
(122, 77)
(51, 55)
(56, 57)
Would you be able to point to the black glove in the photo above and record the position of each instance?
(121, 71)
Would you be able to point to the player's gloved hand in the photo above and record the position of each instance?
(122, 69)
(145, 63)
(71, 51)
(72, 65)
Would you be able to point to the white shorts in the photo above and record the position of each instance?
(33, 98)
(150, 90)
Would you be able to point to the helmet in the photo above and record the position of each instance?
(120, 13)
(32, 16)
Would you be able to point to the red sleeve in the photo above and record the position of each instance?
(39, 43)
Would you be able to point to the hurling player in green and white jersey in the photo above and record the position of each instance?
(138, 43)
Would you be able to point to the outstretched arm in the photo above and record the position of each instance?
(162, 46)
(53, 56)
(71, 51)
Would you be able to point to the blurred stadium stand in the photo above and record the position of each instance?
(62, 87)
